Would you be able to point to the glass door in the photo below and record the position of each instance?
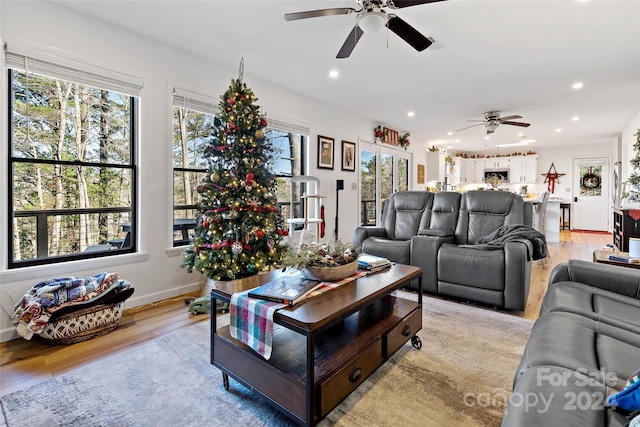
(383, 171)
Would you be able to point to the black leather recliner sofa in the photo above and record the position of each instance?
(434, 230)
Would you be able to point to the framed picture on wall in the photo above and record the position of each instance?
(325, 152)
(348, 156)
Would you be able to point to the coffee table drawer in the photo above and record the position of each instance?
(404, 330)
(339, 386)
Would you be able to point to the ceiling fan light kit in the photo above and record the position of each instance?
(372, 22)
(371, 17)
(492, 120)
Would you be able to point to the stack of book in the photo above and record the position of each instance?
(289, 289)
(372, 263)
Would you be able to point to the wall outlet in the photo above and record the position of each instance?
(354, 185)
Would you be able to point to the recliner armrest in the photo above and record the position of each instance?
(364, 232)
(435, 233)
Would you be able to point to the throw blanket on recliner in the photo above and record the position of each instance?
(508, 233)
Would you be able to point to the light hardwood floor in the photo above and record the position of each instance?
(26, 363)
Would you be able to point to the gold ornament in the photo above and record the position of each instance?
(215, 177)
(259, 134)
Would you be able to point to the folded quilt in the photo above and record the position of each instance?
(508, 233)
(35, 308)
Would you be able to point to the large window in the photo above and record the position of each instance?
(72, 175)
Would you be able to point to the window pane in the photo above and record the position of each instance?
(192, 131)
(403, 174)
(58, 120)
(368, 187)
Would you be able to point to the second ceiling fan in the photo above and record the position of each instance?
(371, 17)
(492, 120)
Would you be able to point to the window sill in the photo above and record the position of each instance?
(54, 270)
(176, 251)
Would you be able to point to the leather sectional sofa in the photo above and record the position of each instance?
(434, 231)
(583, 348)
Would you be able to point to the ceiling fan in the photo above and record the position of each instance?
(492, 120)
(371, 17)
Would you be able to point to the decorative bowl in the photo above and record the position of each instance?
(330, 274)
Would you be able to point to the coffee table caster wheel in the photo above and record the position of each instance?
(416, 342)
(225, 381)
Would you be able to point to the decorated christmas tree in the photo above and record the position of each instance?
(238, 230)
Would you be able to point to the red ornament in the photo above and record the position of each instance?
(231, 101)
(279, 232)
(249, 179)
(260, 234)
(227, 110)
(263, 122)
(216, 246)
(205, 224)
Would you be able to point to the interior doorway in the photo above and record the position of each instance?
(591, 201)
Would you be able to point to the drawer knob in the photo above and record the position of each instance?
(406, 331)
(355, 374)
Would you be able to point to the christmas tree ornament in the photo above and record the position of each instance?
(236, 248)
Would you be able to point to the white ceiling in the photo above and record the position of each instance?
(519, 57)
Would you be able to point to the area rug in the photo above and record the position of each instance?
(461, 376)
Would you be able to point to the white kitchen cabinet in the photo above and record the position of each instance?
(523, 169)
(496, 163)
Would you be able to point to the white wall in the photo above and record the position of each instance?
(154, 272)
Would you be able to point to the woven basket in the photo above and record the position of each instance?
(81, 325)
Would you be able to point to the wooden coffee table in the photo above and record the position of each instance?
(324, 348)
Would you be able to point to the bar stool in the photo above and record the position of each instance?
(566, 207)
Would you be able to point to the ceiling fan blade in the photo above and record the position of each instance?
(524, 125)
(399, 4)
(409, 34)
(502, 119)
(317, 13)
(469, 127)
(350, 42)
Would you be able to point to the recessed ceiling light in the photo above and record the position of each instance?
(558, 130)
(334, 74)
(521, 134)
(449, 133)
(577, 85)
(448, 146)
(486, 138)
(575, 118)
(457, 140)
(411, 114)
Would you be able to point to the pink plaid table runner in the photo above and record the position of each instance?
(251, 319)
(251, 322)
